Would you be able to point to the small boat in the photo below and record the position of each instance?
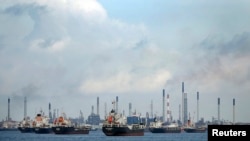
(190, 128)
(117, 125)
(62, 125)
(159, 127)
(25, 126)
(41, 124)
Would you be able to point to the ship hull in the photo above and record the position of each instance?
(26, 129)
(69, 130)
(40, 130)
(194, 130)
(122, 131)
(165, 130)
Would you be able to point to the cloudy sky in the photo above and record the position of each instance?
(69, 52)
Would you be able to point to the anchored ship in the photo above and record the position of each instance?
(159, 127)
(195, 129)
(62, 125)
(41, 124)
(25, 126)
(118, 125)
(190, 128)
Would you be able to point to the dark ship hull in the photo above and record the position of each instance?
(122, 131)
(26, 129)
(165, 130)
(195, 130)
(69, 130)
(43, 130)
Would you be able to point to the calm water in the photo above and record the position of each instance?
(99, 136)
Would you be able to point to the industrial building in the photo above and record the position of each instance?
(94, 119)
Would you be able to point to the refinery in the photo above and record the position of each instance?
(96, 121)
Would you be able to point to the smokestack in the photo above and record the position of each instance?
(54, 114)
(197, 106)
(168, 109)
(182, 87)
(97, 106)
(151, 108)
(116, 104)
(8, 109)
(57, 112)
(219, 110)
(233, 111)
(179, 112)
(25, 107)
(163, 105)
(182, 104)
(105, 109)
(130, 109)
(50, 114)
(185, 108)
(92, 109)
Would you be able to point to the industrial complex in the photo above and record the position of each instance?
(96, 121)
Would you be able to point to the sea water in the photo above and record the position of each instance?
(100, 136)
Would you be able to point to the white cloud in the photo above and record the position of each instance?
(123, 82)
(52, 47)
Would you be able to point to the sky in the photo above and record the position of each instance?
(69, 52)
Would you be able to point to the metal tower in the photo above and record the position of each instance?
(197, 106)
(163, 105)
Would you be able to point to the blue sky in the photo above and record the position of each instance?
(69, 53)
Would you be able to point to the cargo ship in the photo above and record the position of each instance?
(41, 124)
(195, 129)
(160, 127)
(190, 128)
(25, 126)
(62, 125)
(118, 125)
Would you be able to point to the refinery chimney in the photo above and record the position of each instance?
(182, 104)
(8, 118)
(233, 111)
(105, 109)
(179, 112)
(130, 109)
(50, 113)
(185, 108)
(163, 106)
(168, 109)
(97, 106)
(116, 104)
(151, 109)
(219, 110)
(25, 107)
(92, 110)
(197, 106)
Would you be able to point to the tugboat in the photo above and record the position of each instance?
(25, 126)
(117, 125)
(41, 124)
(62, 125)
(190, 128)
(159, 127)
